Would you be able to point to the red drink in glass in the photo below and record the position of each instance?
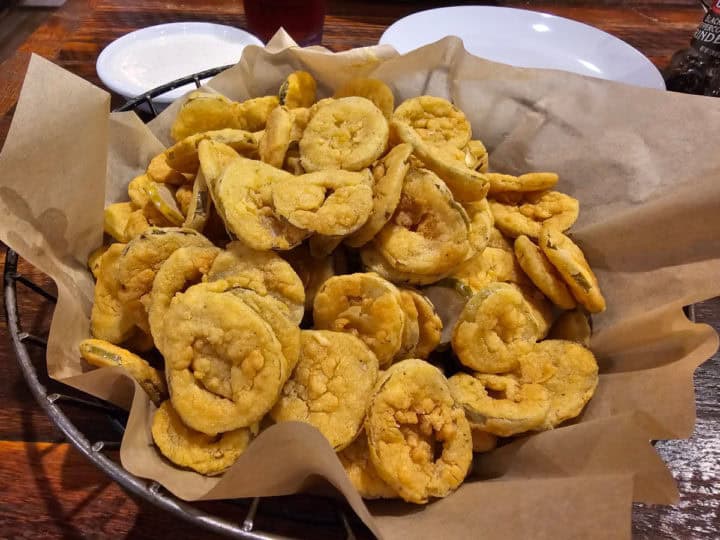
(302, 19)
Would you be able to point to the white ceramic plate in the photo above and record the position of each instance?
(527, 39)
(150, 57)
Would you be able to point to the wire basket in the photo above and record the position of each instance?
(305, 511)
(332, 515)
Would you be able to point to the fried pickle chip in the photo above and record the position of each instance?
(264, 272)
(366, 306)
(527, 214)
(571, 264)
(143, 256)
(110, 318)
(319, 104)
(243, 198)
(491, 265)
(411, 328)
(275, 142)
(115, 218)
(542, 273)
(298, 90)
(140, 261)
(136, 225)
(153, 216)
(183, 198)
(481, 223)
(300, 118)
(428, 234)
(183, 155)
(330, 387)
(534, 181)
(499, 404)
(374, 261)
(202, 112)
(197, 451)
(159, 170)
(447, 162)
(274, 312)
(137, 190)
(329, 202)
(492, 322)
(482, 441)
(101, 353)
(183, 267)
(572, 326)
(348, 133)
(435, 120)
(540, 307)
(499, 241)
(418, 436)
(389, 174)
(429, 324)
(362, 473)
(224, 365)
(94, 259)
(252, 114)
(214, 158)
(163, 199)
(373, 89)
(567, 370)
(476, 156)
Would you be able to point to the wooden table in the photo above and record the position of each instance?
(50, 491)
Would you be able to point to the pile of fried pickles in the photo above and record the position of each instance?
(349, 264)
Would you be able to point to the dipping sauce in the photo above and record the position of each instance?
(160, 54)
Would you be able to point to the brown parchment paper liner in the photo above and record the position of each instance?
(643, 165)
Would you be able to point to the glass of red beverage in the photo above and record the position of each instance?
(302, 19)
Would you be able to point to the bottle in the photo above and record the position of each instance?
(697, 70)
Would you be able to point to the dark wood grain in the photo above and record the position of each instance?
(16, 24)
(50, 491)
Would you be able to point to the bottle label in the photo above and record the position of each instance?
(706, 38)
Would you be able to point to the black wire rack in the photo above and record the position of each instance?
(328, 513)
